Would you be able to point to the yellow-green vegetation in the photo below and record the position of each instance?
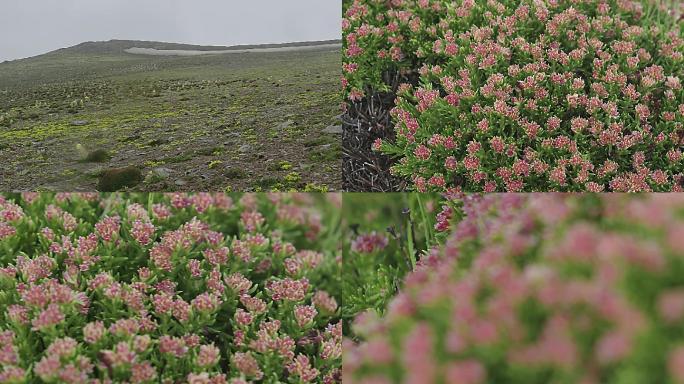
(246, 121)
(290, 182)
(62, 127)
(293, 177)
(215, 164)
(316, 188)
(285, 165)
(152, 163)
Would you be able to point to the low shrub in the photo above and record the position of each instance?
(116, 179)
(97, 156)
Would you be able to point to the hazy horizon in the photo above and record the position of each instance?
(65, 23)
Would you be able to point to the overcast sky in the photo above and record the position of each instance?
(33, 27)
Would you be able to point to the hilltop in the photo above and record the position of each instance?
(119, 46)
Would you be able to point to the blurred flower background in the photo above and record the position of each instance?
(525, 288)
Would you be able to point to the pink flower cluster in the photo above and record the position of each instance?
(369, 243)
(529, 287)
(9, 213)
(198, 288)
(579, 95)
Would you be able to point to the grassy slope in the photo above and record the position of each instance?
(189, 114)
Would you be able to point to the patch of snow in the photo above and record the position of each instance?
(177, 52)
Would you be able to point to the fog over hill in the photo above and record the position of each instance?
(33, 27)
(158, 48)
(103, 58)
(122, 46)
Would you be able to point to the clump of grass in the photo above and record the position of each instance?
(113, 180)
(267, 183)
(97, 156)
(325, 155)
(178, 159)
(235, 173)
(315, 142)
(209, 151)
(158, 142)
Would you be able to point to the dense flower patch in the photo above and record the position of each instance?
(537, 289)
(524, 95)
(202, 288)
